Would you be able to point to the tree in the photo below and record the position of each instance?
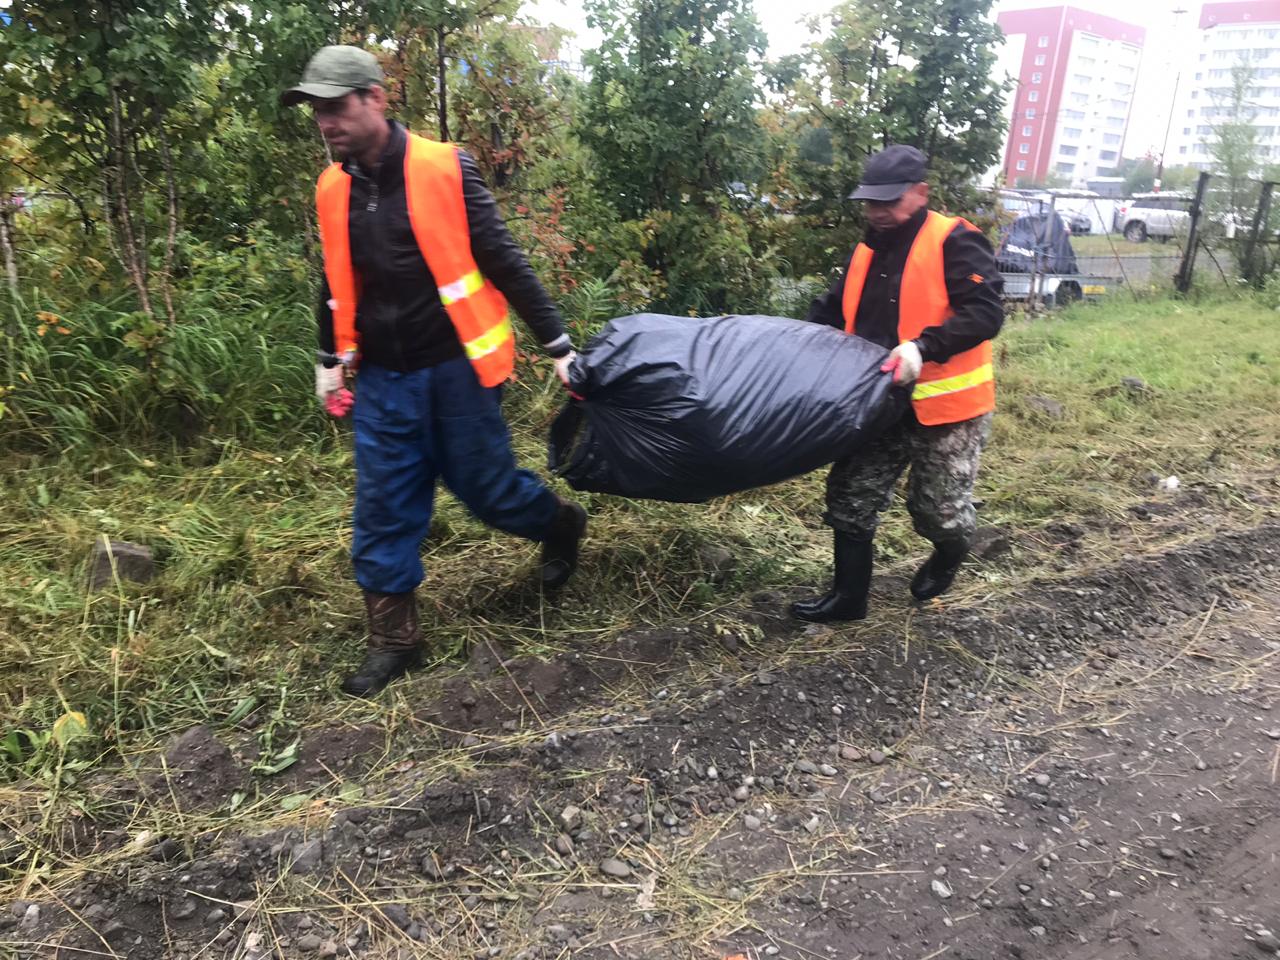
(669, 115)
(1234, 143)
(670, 105)
(888, 72)
(103, 91)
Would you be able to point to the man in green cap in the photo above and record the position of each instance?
(419, 269)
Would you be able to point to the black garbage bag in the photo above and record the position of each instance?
(682, 409)
(1038, 238)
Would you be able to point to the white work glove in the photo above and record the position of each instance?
(331, 389)
(905, 362)
(562, 366)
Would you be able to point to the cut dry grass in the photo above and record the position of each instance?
(255, 609)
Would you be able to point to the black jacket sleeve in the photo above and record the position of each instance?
(502, 262)
(324, 322)
(973, 287)
(829, 307)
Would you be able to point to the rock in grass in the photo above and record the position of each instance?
(1047, 406)
(307, 856)
(132, 561)
(570, 818)
(615, 868)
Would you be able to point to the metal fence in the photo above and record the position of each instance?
(1159, 243)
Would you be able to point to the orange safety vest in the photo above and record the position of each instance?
(438, 216)
(962, 388)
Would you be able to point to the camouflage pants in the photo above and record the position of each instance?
(944, 466)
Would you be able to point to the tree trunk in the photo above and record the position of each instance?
(6, 243)
(117, 197)
(443, 82)
(171, 238)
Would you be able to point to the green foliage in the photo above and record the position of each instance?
(882, 73)
(1234, 144)
(179, 249)
(84, 374)
(669, 116)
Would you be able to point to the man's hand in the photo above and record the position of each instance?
(562, 366)
(331, 390)
(905, 362)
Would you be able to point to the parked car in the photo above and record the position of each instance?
(1036, 203)
(1159, 215)
(1079, 223)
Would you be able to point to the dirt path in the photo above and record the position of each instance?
(1086, 770)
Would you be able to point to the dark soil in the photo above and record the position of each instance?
(1087, 770)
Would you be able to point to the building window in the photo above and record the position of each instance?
(1026, 131)
(1111, 139)
(1182, 149)
(1022, 164)
(1024, 148)
(1033, 96)
(1037, 77)
(1082, 80)
(1072, 132)
(1031, 113)
(1066, 168)
(1106, 155)
(1073, 114)
(1079, 99)
(1039, 59)
(1043, 42)
(1068, 151)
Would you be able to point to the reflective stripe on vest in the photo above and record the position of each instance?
(964, 386)
(438, 218)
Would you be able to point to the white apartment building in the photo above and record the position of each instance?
(1231, 33)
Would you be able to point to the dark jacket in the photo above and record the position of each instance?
(973, 286)
(401, 321)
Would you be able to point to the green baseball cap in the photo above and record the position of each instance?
(334, 72)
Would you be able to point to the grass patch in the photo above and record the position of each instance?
(255, 600)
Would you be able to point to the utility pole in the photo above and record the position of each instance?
(1177, 19)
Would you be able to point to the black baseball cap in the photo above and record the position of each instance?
(335, 72)
(889, 173)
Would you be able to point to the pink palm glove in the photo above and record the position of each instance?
(339, 403)
(332, 391)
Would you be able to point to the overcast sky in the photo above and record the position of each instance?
(1152, 99)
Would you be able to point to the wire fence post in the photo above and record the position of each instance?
(1182, 281)
(1259, 219)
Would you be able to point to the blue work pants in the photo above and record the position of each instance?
(412, 428)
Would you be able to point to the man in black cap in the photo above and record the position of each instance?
(419, 269)
(924, 286)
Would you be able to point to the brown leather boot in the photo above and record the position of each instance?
(395, 643)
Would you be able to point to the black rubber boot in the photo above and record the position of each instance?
(850, 584)
(938, 572)
(560, 547)
(395, 643)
